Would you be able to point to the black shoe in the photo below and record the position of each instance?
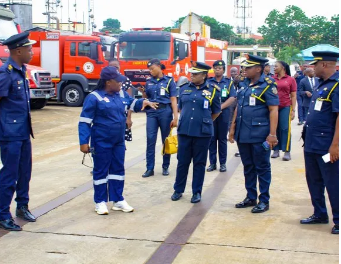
(25, 214)
(165, 171)
(335, 230)
(246, 203)
(212, 167)
(261, 207)
(148, 173)
(314, 220)
(176, 196)
(237, 154)
(222, 168)
(10, 225)
(196, 198)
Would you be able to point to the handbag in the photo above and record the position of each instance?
(170, 145)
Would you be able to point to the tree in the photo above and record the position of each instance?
(112, 25)
(290, 54)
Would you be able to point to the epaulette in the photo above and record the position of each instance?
(183, 84)
(242, 78)
(217, 87)
(9, 68)
(268, 80)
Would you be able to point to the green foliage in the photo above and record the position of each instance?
(293, 28)
(290, 54)
(112, 25)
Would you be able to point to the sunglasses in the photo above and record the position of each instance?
(92, 151)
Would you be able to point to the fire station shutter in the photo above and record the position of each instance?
(50, 57)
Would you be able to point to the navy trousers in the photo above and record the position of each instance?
(155, 120)
(15, 175)
(189, 148)
(221, 126)
(302, 115)
(284, 129)
(108, 173)
(319, 176)
(256, 162)
(305, 110)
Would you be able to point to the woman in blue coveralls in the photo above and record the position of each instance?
(103, 118)
(160, 89)
(199, 103)
(221, 124)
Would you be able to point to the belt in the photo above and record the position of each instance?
(162, 106)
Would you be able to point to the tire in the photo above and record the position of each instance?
(38, 103)
(73, 95)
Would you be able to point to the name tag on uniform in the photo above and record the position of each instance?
(318, 105)
(162, 91)
(205, 104)
(252, 101)
(224, 93)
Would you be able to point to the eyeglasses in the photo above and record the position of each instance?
(92, 151)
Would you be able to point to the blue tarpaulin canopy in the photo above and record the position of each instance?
(308, 56)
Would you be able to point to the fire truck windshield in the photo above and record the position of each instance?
(144, 50)
(7, 29)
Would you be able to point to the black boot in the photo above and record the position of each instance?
(148, 173)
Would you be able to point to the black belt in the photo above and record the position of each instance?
(162, 106)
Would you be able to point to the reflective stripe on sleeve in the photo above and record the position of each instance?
(132, 106)
(99, 98)
(85, 120)
(116, 177)
(99, 182)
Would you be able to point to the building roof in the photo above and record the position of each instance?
(308, 56)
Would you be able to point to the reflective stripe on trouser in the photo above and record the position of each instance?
(155, 120)
(108, 173)
(221, 125)
(256, 162)
(284, 129)
(321, 175)
(189, 148)
(15, 175)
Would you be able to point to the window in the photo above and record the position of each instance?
(73, 49)
(176, 49)
(83, 50)
(145, 50)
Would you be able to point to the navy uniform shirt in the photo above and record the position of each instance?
(15, 123)
(104, 117)
(321, 119)
(197, 104)
(160, 90)
(253, 121)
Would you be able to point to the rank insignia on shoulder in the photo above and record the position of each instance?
(274, 90)
(268, 80)
(217, 87)
(9, 68)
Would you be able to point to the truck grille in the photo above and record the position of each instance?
(43, 79)
(137, 75)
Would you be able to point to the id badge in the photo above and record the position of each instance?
(162, 91)
(205, 104)
(252, 101)
(318, 105)
(224, 93)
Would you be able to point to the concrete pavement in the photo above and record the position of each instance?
(74, 233)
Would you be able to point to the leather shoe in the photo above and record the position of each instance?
(25, 214)
(165, 171)
(222, 168)
(287, 156)
(237, 154)
(10, 225)
(261, 207)
(148, 173)
(314, 220)
(212, 167)
(176, 196)
(335, 230)
(275, 154)
(196, 198)
(246, 203)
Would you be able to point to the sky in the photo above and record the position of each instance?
(137, 13)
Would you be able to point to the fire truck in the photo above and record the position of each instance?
(41, 87)
(176, 51)
(74, 60)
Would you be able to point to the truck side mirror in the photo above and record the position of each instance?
(104, 48)
(113, 49)
(182, 51)
(94, 51)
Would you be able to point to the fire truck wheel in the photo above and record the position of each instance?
(38, 103)
(73, 95)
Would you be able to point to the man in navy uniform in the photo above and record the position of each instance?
(221, 124)
(254, 128)
(321, 141)
(15, 131)
(299, 75)
(267, 70)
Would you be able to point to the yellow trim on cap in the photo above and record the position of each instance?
(31, 42)
(253, 62)
(197, 69)
(318, 58)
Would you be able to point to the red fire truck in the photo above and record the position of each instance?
(176, 51)
(41, 87)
